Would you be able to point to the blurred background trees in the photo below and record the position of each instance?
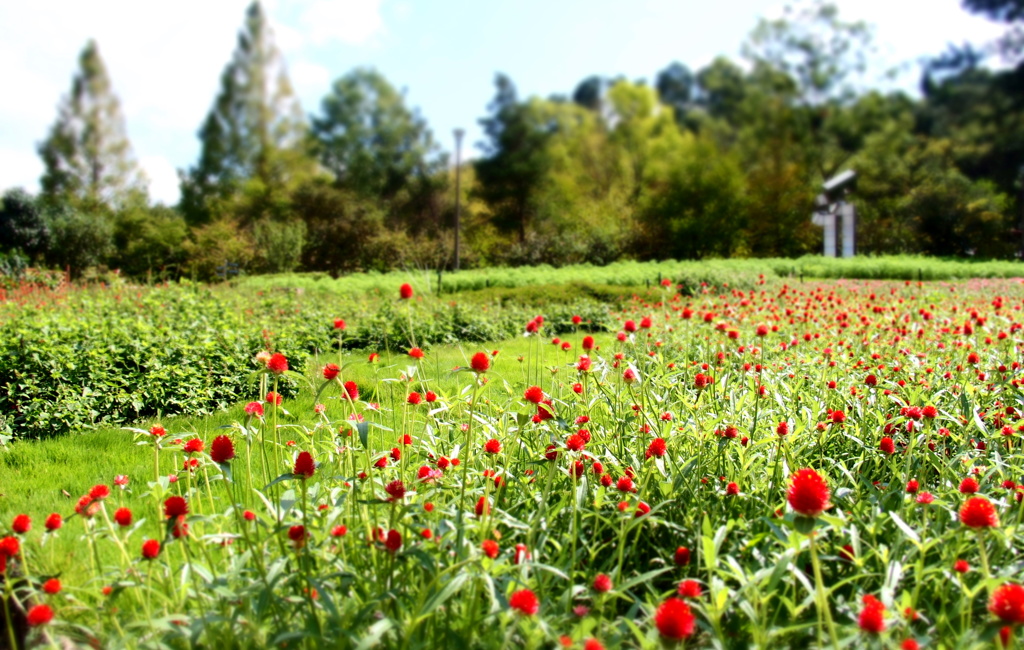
(720, 161)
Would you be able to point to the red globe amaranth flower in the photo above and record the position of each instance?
(480, 362)
(872, 617)
(274, 398)
(157, 431)
(808, 493)
(304, 465)
(39, 615)
(690, 589)
(297, 535)
(674, 620)
(492, 446)
(99, 492)
(483, 507)
(52, 586)
(9, 547)
(393, 541)
(339, 324)
(405, 291)
(961, 566)
(887, 446)
(175, 507)
(524, 602)
(521, 554)
(1007, 603)
(54, 522)
(395, 490)
(416, 353)
(21, 524)
(254, 408)
(277, 364)
(838, 417)
(86, 506)
(178, 527)
(352, 390)
(123, 517)
(681, 556)
(732, 489)
(656, 448)
(150, 549)
(331, 371)
(978, 512)
(414, 398)
(222, 449)
(490, 548)
(912, 486)
(534, 394)
(602, 583)
(969, 486)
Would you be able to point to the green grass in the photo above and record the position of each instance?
(49, 475)
(742, 273)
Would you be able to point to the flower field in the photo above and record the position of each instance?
(790, 465)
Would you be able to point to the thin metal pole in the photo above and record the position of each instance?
(458, 194)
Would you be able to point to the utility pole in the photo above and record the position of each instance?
(458, 193)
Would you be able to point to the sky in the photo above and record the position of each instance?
(165, 58)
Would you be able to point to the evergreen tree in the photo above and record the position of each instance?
(87, 155)
(22, 224)
(254, 137)
(515, 161)
(369, 139)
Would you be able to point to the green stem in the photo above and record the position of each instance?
(819, 586)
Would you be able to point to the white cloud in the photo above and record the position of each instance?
(354, 22)
(162, 177)
(19, 168)
(309, 78)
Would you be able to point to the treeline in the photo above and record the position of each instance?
(724, 161)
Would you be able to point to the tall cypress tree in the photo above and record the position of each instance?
(254, 131)
(87, 155)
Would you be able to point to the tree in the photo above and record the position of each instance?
(149, 239)
(1001, 10)
(676, 85)
(375, 145)
(87, 155)
(79, 239)
(814, 47)
(637, 120)
(722, 89)
(23, 224)
(692, 205)
(279, 244)
(589, 92)
(255, 130)
(216, 244)
(514, 163)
